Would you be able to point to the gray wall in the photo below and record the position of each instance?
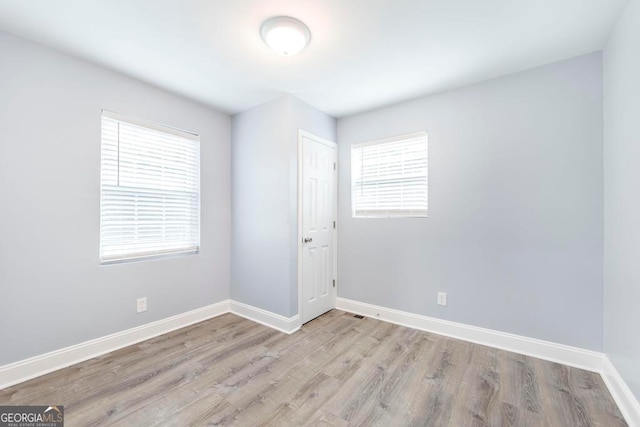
(264, 188)
(622, 199)
(260, 207)
(54, 293)
(515, 227)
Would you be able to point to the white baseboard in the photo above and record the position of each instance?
(622, 394)
(567, 355)
(585, 359)
(27, 369)
(288, 325)
(36, 366)
(559, 353)
(572, 356)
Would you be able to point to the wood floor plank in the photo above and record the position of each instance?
(169, 371)
(444, 371)
(337, 370)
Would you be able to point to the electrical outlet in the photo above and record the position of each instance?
(141, 305)
(442, 298)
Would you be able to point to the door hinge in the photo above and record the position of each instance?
(334, 283)
(334, 224)
(334, 165)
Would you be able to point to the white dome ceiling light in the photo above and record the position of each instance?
(285, 35)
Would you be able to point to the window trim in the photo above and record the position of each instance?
(148, 124)
(157, 254)
(389, 213)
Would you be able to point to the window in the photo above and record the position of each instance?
(149, 190)
(389, 177)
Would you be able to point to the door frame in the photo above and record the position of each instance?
(334, 145)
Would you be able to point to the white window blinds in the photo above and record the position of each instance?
(149, 190)
(389, 177)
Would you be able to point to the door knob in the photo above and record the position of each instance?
(307, 239)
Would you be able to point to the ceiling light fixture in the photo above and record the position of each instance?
(285, 35)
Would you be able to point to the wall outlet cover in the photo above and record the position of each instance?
(442, 298)
(141, 305)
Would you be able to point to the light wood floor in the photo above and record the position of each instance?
(338, 370)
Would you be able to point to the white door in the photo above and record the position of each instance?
(318, 210)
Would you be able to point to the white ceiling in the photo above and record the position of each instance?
(363, 53)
